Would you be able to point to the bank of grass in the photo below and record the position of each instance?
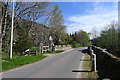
(0, 66)
(55, 52)
(87, 65)
(20, 61)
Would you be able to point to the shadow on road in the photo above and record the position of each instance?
(85, 51)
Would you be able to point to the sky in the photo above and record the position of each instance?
(88, 16)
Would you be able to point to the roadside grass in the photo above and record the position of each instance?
(59, 51)
(0, 66)
(20, 61)
(87, 65)
(0, 61)
(5, 56)
(79, 46)
(55, 52)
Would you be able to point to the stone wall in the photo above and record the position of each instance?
(108, 65)
(62, 47)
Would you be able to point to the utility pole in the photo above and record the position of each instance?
(11, 39)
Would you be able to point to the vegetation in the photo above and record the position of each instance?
(23, 41)
(34, 23)
(59, 51)
(55, 52)
(105, 62)
(28, 32)
(32, 31)
(19, 61)
(80, 38)
(57, 29)
(109, 39)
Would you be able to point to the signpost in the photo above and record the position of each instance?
(51, 44)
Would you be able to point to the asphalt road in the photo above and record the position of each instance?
(55, 66)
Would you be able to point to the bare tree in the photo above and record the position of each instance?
(1, 18)
(5, 18)
(55, 23)
(24, 11)
(94, 33)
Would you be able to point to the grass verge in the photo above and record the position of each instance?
(55, 52)
(20, 61)
(87, 65)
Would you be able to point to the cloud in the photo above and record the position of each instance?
(99, 17)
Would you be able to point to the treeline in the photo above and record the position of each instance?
(80, 38)
(34, 23)
(109, 39)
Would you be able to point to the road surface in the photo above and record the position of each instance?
(55, 66)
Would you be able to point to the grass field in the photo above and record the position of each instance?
(20, 61)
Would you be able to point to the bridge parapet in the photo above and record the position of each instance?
(108, 65)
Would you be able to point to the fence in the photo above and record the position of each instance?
(108, 65)
(45, 49)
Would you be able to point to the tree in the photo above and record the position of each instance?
(1, 18)
(57, 29)
(94, 33)
(5, 19)
(24, 42)
(109, 39)
(56, 18)
(58, 34)
(30, 10)
(30, 13)
(6, 22)
(82, 38)
(24, 11)
(39, 34)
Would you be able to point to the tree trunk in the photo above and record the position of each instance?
(1, 18)
(5, 19)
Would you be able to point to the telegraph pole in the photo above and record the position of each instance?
(11, 39)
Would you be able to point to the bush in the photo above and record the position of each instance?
(59, 51)
(74, 44)
(5, 56)
(35, 48)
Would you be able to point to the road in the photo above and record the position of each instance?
(55, 66)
